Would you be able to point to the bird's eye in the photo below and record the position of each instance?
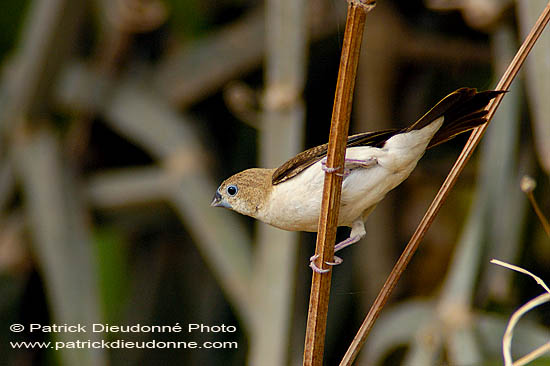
(232, 190)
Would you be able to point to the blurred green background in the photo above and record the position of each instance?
(118, 120)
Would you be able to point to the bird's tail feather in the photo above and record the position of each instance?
(463, 110)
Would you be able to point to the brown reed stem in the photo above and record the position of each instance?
(543, 220)
(320, 283)
(528, 185)
(451, 179)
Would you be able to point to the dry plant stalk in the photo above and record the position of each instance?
(508, 334)
(536, 353)
(528, 185)
(320, 283)
(507, 338)
(447, 185)
(521, 270)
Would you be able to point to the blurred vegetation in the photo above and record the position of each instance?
(118, 119)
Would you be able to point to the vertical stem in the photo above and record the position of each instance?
(280, 137)
(538, 211)
(537, 81)
(61, 242)
(49, 24)
(328, 220)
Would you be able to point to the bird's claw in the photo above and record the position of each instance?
(333, 170)
(336, 261)
(317, 269)
(326, 169)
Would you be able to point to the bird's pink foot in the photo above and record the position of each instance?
(337, 261)
(333, 170)
(313, 266)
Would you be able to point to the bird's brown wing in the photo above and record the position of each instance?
(309, 157)
(463, 110)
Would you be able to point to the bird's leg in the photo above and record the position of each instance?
(357, 232)
(349, 164)
(357, 163)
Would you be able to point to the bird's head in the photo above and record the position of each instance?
(246, 192)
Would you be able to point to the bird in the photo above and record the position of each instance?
(289, 197)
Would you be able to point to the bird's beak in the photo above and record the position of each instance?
(218, 201)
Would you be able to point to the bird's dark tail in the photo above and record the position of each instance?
(463, 110)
